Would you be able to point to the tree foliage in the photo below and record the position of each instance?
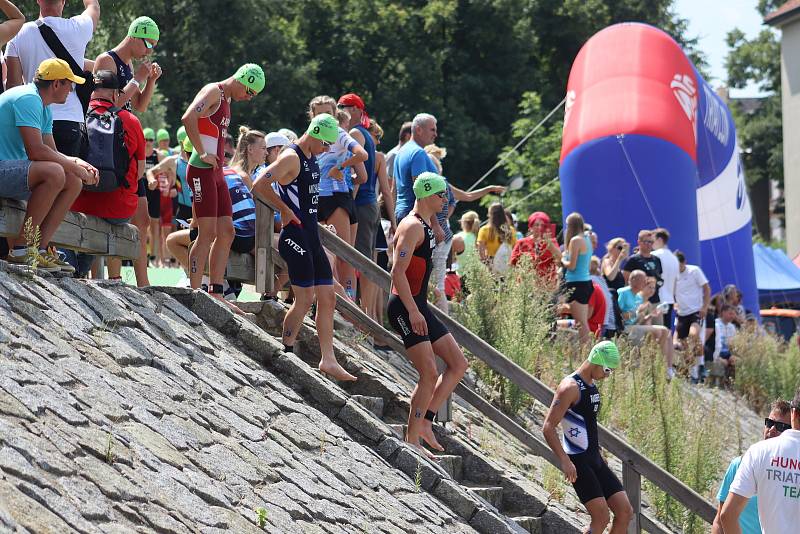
(469, 63)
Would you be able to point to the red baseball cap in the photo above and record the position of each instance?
(538, 216)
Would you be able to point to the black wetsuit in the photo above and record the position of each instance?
(580, 442)
(418, 274)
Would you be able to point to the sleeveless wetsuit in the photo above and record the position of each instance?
(299, 245)
(209, 190)
(579, 427)
(418, 274)
(124, 75)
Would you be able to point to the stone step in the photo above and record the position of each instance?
(399, 430)
(373, 404)
(452, 464)
(530, 524)
(491, 494)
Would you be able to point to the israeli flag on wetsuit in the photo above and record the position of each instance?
(575, 438)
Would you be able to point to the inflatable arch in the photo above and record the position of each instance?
(647, 142)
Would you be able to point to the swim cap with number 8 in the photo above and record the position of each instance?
(429, 183)
(324, 127)
(144, 28)
(251, 76)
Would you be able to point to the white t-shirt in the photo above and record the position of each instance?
(771, 470)
(29, 46)
(669, 273)
(689, 290)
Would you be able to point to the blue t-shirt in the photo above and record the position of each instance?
(748, 520)
(366, 191)
(628, 302)
(338, 153)
(410, 161)
(21, 106)
(242, 204)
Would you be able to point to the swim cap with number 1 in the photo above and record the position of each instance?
(144, 28)
(251, 76)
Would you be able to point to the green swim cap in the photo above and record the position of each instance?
(429, 183)
(149, 133)
(162, 135)
(324, 127)
(604, 354)
(251, 76)
(144, 28)
(181, 134)
(187, 145)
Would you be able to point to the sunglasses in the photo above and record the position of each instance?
(442, 194)
(343, 106)
(780, 427)
(607, 370)
(250, 92)
(325, 144)
(648, 242)
(150, 140)
(147, 44)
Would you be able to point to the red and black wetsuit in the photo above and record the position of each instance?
(418, 273)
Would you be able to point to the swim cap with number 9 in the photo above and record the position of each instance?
(144, 28)
(251, 76)
(324, 127)
(429, 183)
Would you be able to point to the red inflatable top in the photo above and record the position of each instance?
(631, 79)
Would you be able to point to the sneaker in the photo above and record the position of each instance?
(55, 257)
(32, 256)
(670, 373)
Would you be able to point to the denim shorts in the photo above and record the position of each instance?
(14, 179)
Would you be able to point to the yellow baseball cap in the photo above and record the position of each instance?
(57, 69)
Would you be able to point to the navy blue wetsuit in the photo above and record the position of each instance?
(299, 245)
(580, 442)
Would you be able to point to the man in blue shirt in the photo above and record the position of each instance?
(779, 420)
(30, 166)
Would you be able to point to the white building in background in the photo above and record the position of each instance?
(787, 19)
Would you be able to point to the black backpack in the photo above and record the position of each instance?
(106, 150)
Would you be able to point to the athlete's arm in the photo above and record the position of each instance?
(359, 156)
(566, 395)
(141, 99)
(204, 105)
(731, 510)
(105, 62)
(408, 237)
(283, 170)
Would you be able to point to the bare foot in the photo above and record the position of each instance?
(336, 371)
(427, 435)
(423, 451)
(235, 309)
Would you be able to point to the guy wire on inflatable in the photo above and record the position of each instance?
(648, 143)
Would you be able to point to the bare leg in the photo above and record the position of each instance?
(598, 510)
(666, 344)
(141, 220)
(60, 206)
(421, 355)
(303, 297)
(178, 245)
(622, 510)
(346, 274)
(218, 259)
(114, 267)
(580, 313)
(166, 230)
(447, 349)
(198, 256)
(326, 301)
(155, 240)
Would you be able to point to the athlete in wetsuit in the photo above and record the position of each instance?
(206, 122)
(575, 407)
(297, 175)
(423, 334)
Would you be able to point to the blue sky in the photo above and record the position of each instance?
(711, 20)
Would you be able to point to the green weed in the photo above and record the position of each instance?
(261, 517)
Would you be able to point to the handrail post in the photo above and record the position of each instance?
(265, 269)
(632, 483)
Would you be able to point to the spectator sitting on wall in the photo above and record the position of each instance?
(32, 168)
(724, 367)
(118, 206)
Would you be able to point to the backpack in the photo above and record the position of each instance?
(106, 150)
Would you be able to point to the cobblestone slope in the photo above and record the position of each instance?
(122, 411)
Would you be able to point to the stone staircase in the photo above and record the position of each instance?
(491, 499)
